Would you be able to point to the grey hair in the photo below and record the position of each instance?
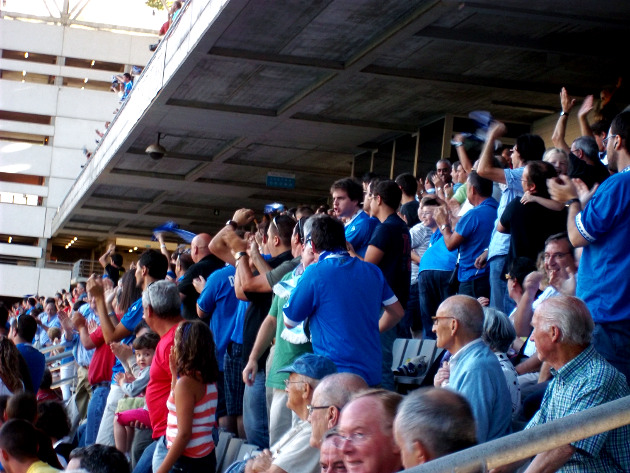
(163, 297)
(440, 419)
(498, 331)
(588, 145)
(552, 151)
(450, 165)
(570, 315)
(338, 388)
(308, 226)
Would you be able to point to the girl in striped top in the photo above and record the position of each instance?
(192, 402)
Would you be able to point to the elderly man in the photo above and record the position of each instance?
(431, 423)
(329, 398)
(292, 452)
(366, 433)
(582, 379)
(330, 457)
(473, 370)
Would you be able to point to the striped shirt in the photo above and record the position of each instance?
(201, 443)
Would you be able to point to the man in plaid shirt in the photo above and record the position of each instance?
(582, 379)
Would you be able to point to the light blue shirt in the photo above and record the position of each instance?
(500, 242)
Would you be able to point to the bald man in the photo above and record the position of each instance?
(205, 264)
(473, 370)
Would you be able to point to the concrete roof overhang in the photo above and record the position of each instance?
(243, 88)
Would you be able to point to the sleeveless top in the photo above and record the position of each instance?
(201, 442)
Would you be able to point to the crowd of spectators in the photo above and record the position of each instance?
(281, 331)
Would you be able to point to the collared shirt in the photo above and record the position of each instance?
(359, 231)
(584, 382)
(603, 282)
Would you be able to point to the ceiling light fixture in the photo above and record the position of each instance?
(156, 151)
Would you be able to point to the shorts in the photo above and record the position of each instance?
(233, 374)
(221, 407)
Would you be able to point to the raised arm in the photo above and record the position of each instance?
(566, 102)
(585, 108)
(462, 155)
(104, 260)
(486, 163)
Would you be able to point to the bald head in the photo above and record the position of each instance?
(334, 391)
(468, 312)
(199, 247)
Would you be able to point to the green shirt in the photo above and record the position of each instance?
(285, 352)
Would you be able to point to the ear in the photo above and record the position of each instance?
(555, 333)
(420, 453)
(333, 416)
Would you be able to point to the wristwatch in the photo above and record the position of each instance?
(569, 202)
(239, 255)
(563, 113)
(446, 225)
(232, 223)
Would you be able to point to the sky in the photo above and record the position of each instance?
(133, 13)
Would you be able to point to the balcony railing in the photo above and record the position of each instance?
(84, 268)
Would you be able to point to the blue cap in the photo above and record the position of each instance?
(311, 365)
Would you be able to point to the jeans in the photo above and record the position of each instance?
(144, 464)
(498, 286)
(160, 453)
(478, 287)
(255, 412)
(67, 371)
(612, 341)
(387, 346)
(96, 407)
(433, 289)
(411, 319)
(106, 430)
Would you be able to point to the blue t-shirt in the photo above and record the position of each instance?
(237, 333)
(476, 227)
(342, 298)
(602, 281)
(132, 317)
(35, 361)
(513, 188)
(437, 257)
(219, 300)
(359, 231)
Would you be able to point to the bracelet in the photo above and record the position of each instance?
(563, 113)
(569, 202)
(163, 246)
(112, 314)
(457, 144)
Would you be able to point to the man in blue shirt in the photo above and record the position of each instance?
(218, 301)
(342, 299)
(46, 320)
(347, 195)
(36, 362)
(602, 228)
(472, 234)
(473, 370)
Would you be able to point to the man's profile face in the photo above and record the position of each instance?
(408, 458)
(541, 336)
(342, 205)
(139, 277)
(442, 325)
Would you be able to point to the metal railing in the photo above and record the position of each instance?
(84, 268)
(528, 443)
(50, 360)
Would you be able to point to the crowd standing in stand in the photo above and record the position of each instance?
(281, 331)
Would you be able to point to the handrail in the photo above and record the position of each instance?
(526, 444)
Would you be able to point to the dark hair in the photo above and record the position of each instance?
(407, 183)
(352, 187)
(147, 341)
(32, 301)
(99, 458)
(126, 75)
(561, 237)
(367, 177)
(155, 262)
(520, 267)
(430, 201)
(482, 185)
(22, 406)
(82, 284)
(9, 363)
(327, 233)
(26, 328)
(282, 226)
(530, 147)
(538, 173)
(620, 125)
(17, 437)
(117, 259)
(52, 419)
(185, 261)
(130, 291)
(195, 350)
(299, 228)
(78, 304)
(50, 300)
(142, 324)
(305, 210)
(46, 380)
(600, 126)
(430, 176)
(389, 192)
(3, 405)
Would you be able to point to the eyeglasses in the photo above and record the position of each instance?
(548, 256)
(287, 382)
(436, 319)
(356, 438)
(607, 139)
(311, 408)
